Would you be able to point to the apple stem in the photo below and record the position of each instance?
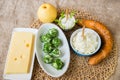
(83, 30)
(66, 14)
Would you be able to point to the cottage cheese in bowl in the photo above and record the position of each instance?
(87, 45)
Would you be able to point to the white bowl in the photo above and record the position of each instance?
(80, 53)
(50, 70)
(63, 26)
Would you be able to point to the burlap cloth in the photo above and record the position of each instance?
(79, 69)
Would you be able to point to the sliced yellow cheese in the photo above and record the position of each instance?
(20, 53)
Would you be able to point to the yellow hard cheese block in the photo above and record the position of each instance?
(20, 53)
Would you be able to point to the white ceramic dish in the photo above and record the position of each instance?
(82, 54)
(50, 70)
(22, 76)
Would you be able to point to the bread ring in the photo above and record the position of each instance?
(107, 40)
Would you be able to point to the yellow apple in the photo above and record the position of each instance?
(47, 13)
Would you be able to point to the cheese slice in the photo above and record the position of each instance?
(20, 53)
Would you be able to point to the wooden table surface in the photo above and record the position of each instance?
(21, 13)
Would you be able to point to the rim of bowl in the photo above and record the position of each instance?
(79, 53)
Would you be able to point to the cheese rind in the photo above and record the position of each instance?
(20, 53)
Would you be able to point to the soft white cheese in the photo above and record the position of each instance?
(68, 23)
(86, 45)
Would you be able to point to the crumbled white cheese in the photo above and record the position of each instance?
(85, 45)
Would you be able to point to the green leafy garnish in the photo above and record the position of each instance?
(76, 21)
(72, 14)
(62, 15)
(56, 20)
